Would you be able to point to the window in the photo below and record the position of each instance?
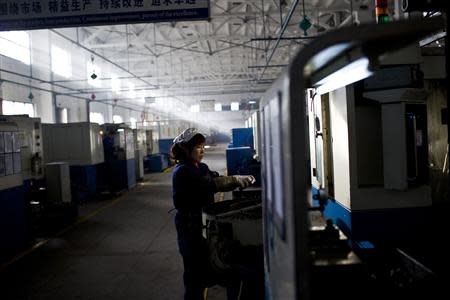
(234, 106)
(18, 108)
(61, 62)
(133, 122)
(195, 108)
(115, 84)
(16, 44)
(117, 119)
(218, 107)
(96, 118)
(93, 69)
(63, 115)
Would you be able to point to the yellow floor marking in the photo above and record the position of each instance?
(168, 170)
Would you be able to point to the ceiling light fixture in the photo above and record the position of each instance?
(353, 72)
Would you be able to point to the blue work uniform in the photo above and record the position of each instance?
(192, 188)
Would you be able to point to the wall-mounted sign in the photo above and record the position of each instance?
(34, 14)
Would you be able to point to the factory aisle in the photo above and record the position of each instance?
(124, 249)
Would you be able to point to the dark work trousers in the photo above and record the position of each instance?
(194, 251)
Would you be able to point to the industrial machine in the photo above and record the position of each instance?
(31, 148)
(79, 145)
(140, 143)
(309, 258)
(149, 141)
(119, 170)
(253, 123)
(240, 154)
(14, 229)
(234, 234)
(159, 159)
(372, 159)
(58, 182)
(75, 143)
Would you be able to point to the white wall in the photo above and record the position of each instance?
(76, 108)
(41, 41)
(15, 92)
(44, 107)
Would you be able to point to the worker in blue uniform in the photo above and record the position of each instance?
(194, 185)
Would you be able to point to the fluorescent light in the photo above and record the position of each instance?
(352, 72)
(252, 102)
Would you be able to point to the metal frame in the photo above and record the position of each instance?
(289, 258)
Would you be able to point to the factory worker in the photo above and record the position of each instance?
(194, 185)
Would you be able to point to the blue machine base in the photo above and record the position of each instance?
(165, 145)
(83, 182)
(124, 173)
(14, 226)
(156, 162)
(399, 226)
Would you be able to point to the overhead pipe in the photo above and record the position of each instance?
(285, 24)
(61, 94)
(267, 66)
(104, 58)
(40, 80)
(285, 38)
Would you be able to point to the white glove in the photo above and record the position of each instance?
(244, 181)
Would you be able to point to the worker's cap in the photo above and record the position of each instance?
(187, 135)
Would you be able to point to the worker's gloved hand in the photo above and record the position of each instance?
(244, 181)
(229, 183)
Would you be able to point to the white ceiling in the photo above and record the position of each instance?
(197, 60)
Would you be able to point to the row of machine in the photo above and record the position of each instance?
(46, 170)
(345, 208)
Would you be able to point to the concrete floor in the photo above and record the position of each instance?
(120, 249)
